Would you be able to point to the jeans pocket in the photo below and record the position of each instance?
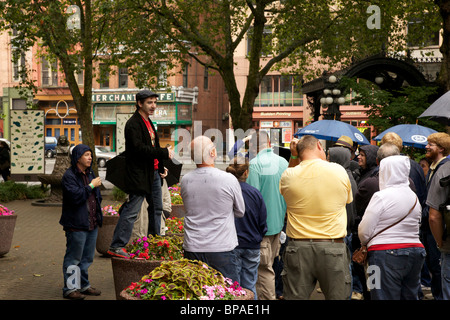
(397, 259)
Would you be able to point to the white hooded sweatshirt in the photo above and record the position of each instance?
(389, 205)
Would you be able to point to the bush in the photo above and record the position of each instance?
(118, 194)
(10, 191)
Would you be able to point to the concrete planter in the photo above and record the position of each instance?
(126, 271)
(178, 210)
(7, 225)
(105, 234)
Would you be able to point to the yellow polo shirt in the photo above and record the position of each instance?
(316, 193)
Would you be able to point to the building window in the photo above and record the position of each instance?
(162, 76)
(206, 79)
(267, 39)
(18, 66)
(80, 73)
(416, 30)
(104, 76)
(123, 77)
(279, 91)
(19, 104)
(185, 75)
(49, 73)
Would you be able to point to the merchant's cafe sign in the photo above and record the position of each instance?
(128, 97)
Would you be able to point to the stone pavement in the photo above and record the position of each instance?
(32, 269)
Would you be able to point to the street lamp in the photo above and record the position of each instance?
(331, 99)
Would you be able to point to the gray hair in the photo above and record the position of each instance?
(387, 150)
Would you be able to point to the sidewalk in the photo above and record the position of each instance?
(32, 269)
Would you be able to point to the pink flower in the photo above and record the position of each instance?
(163, 297)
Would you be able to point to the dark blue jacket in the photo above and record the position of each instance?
(253, 226)
(75, 213)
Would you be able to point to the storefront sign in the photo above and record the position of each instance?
(271, 114)
(128, 97)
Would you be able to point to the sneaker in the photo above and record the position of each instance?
(75, 295)
(91, 292)
(118, 252)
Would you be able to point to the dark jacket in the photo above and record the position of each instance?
(140, 156)
(252, 227)
(342, 156)
(371, 161)
(425, 209)
(75, 213)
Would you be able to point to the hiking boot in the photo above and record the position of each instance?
(118, 252)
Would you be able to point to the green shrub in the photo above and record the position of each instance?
(11, 190)
(118, 194)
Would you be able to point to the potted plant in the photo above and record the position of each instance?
(105, 233)
(7, 224)
(146, 254)
(174, 226)
(177, 202)
(185, 280)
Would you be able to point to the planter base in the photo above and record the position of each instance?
(105, 234)
(126, 271)
(7, 225)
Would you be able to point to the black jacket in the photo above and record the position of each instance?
(140, 156)
(75, 213)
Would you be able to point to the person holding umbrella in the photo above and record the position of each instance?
(144, 162)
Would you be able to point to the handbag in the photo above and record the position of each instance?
(360, 255)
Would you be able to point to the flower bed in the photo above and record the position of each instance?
(174, 225)
(105, 233)
(4, 211)
(184, 280)
(175, 195)
(146, 253)
(156, 248)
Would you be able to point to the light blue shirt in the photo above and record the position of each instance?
(264, 174)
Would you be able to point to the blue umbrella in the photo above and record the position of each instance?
(413, 135)
(332, 130)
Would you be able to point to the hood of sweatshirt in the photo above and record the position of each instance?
(394, 172)
(77, 152)
(340, 155)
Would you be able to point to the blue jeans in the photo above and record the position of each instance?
(224, 262)
(433, 263)
(130, 211)
(445, 269)
(247, 268)
(80, 250)
(155, 210)
(399, 273)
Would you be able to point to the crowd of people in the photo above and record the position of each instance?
(280, 227)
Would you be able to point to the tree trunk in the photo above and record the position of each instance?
(444, 74)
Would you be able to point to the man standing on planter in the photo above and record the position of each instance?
(143, 167)
(81, 217)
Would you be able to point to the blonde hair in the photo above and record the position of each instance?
(237, 167)
(393, 138)
(442, 139)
